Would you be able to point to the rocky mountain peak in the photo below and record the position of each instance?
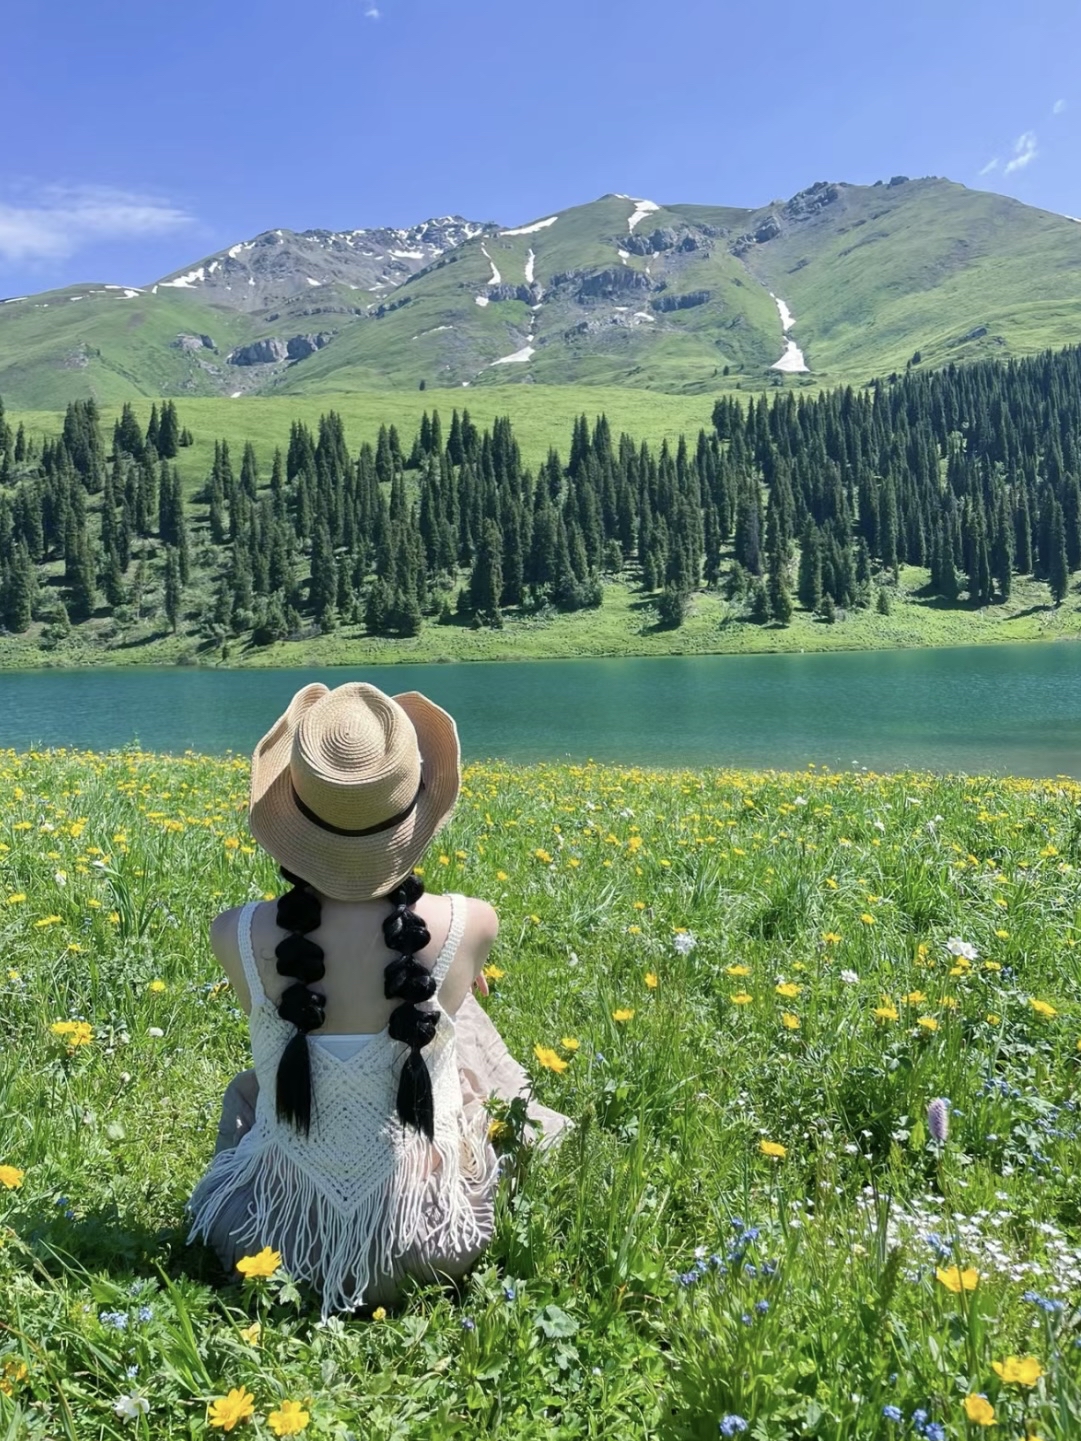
(278, 265)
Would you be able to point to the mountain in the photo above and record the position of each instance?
(841, 282)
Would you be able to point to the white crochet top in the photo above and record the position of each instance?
(344, 1203)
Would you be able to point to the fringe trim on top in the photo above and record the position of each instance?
(443, 1210)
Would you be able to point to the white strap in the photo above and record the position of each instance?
(247, 954)
(458, 910)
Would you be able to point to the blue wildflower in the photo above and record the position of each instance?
(761, 1307)
(146, 1313)
(133, 1371)
(893, 1413)
(934, 1431)
(509, 1293)
(468, 1324)
(731, 1425)
(688, 1278)
(118, 1320)
(747, 1319)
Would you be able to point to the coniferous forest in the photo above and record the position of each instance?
(973, 473)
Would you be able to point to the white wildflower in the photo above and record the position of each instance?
(850, 978)
(957, 947)
(685, 942)
(131, 1407)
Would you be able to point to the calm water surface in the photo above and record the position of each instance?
(990, 708)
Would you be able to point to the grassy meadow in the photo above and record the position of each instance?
(746, 989)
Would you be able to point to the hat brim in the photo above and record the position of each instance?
(352, 868)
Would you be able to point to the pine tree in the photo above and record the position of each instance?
(1058, 574)
(486, 581)
(173, 590)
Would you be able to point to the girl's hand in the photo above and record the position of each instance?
(480, 985)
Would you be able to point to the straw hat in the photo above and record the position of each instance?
(350, 785)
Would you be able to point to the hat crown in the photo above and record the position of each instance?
(355, 761)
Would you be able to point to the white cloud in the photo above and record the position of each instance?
(991, 165)
(372, 13)
(56, 221)
(1058, 107)
(1024, 152)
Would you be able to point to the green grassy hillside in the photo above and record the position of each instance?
(112, 344)
(928, 265)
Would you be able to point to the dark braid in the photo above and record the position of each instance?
(405, 979)
(299, 911)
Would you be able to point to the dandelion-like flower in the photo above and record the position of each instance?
(549, 1059)
(979, 1410)
(1043, 1008)
(289, 1420)
(228, 1411)
(1018, 1370)
(773, 1149)
(938, 1119)
(956, 1280)
(11, 1178)
(263, 1263)
(623, 1014)
(684, 943)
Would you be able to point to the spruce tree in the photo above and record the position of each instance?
(1058, 573)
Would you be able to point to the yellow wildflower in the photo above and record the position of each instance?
(928, 1023)
(542, 855)
(549, 1059)
(498, 1130)
(738, 970)
(16, 898)
(788, 989)
(494, 973)
(742, 998)
(290, 1419)
(263, 1263)
(914, 998)
(501, 876)
(1043, 1008)
(76, 1033)
(48, 921)
(623, 1014)
(886, 1012)
(831, 938)
(229, 1411)
(379, 1314)
(252, 1333)
(789, 1021)
(979, 1410)
(651, 980)
(1018, 1370)
(569, 1043)
(639, 905)
(773, 1149)
(11, 1177)
(156, 987)
(993, 1019)
(634, 930)
(867, 918)
(956, 1280)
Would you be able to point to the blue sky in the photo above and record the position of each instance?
(141, 136)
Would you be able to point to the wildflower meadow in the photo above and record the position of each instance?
(820, 1034)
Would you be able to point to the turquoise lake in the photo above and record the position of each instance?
(1013, 709)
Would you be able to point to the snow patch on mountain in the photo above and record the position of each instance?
(532, 229)
(526, 353)
(482, 300)
(642, 209)
(186, 282)
(792, 360)
(529, 263)
(496, 279)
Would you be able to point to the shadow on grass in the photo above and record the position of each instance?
(107, 1240)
